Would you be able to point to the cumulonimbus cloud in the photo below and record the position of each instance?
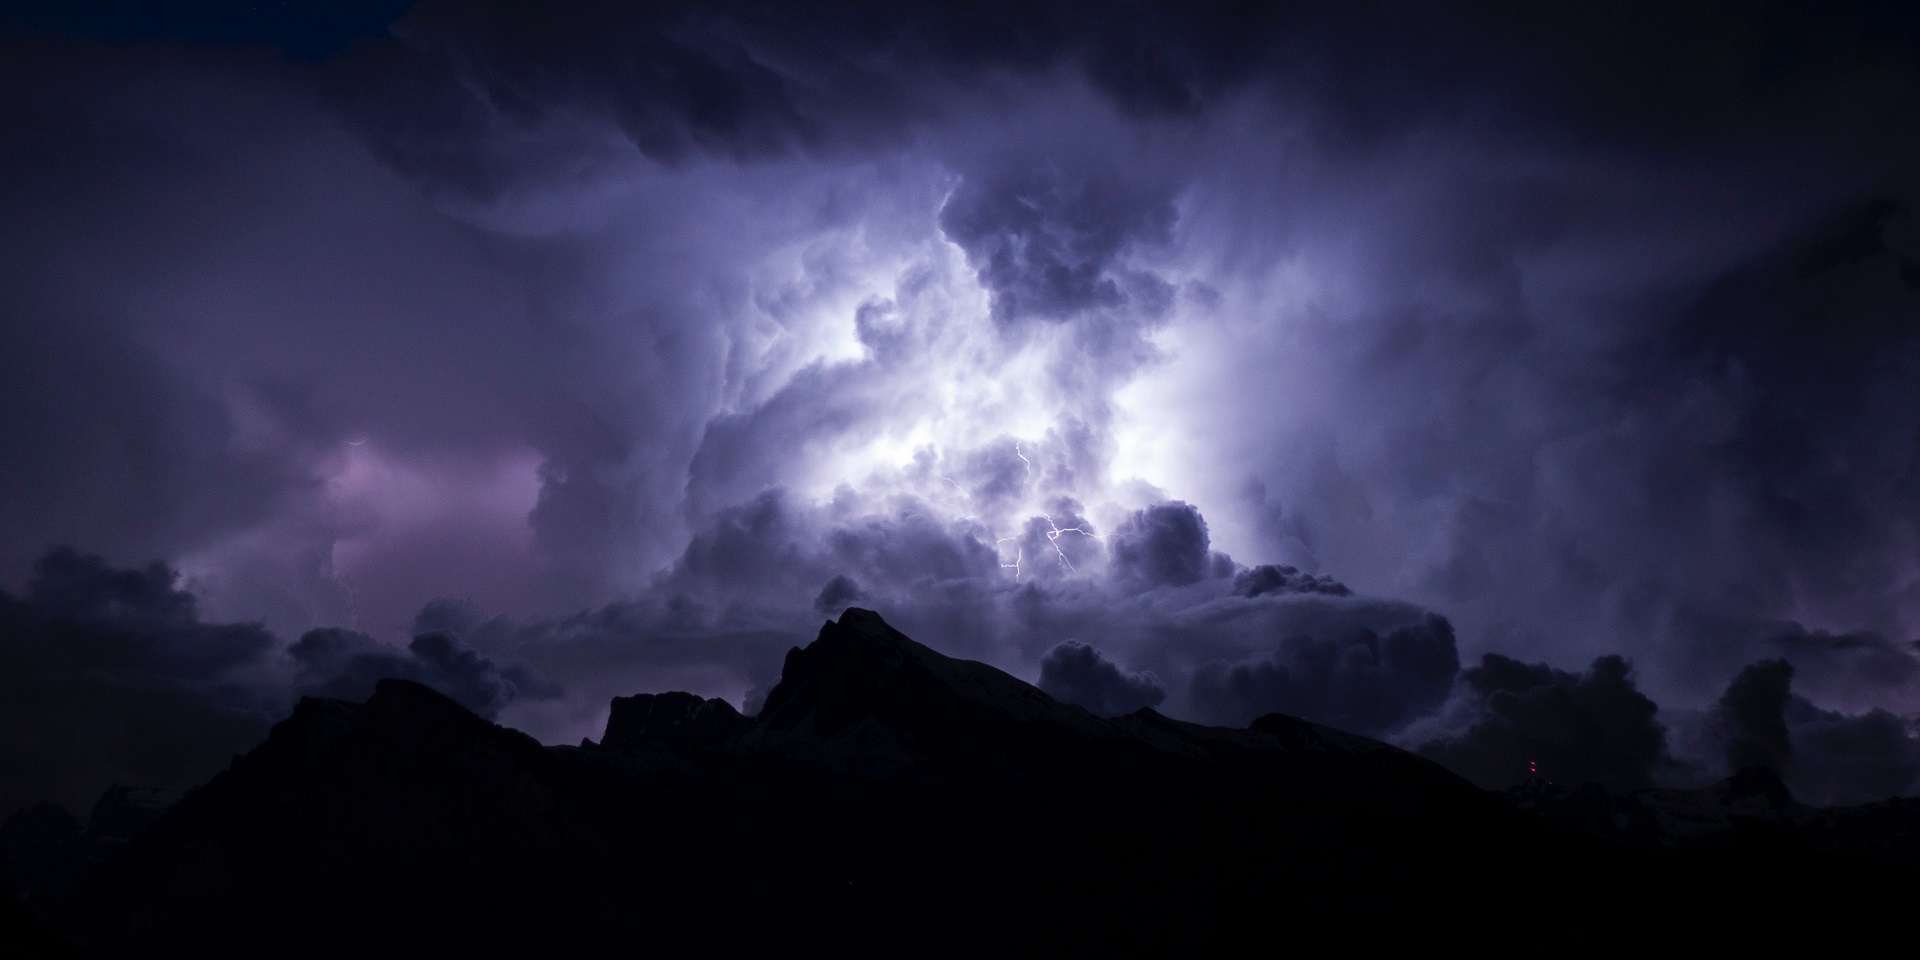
(1231, 344)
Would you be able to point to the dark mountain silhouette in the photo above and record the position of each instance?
(45, 849)
(22, 936)
(1752, 803)
(889, 800)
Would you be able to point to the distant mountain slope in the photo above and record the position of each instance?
(1752, 801)
(887, 801)
(23, 937)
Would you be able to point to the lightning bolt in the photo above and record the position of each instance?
(353, 604)
(1054, 532)
(959, 490)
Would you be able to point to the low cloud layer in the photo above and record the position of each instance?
(345, 665)
(1510, 722)
(1825, 756)
(109, 675)
(1077, 673)
(1356, 678)
(1524, 720)
(1146, 616)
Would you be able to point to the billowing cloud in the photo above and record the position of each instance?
(1753, 715)
(1358, 678)
(1851, 758)
(837, 595)
(1163, 545)
(1049, 247)
(110, 675)
(345, 665)
(1825, 756)
(1077, 673)
(1282, 578)
(754, 583)
(1524, 720)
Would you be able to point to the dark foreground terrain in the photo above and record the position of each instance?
(892, 801)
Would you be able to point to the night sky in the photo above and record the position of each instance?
(1517, 383)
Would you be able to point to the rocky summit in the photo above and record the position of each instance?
(889, 801)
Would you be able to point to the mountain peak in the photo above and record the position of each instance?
(402, 713)
(832, 679)
(860, 670)
(860, 618)
(670, 720)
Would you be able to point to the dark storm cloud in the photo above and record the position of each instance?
(1571, 449)
(1269, 578)
(109, 675)
(1048, 246)
(839, 594)
(1752, 714)
(1812, 357)
(505, 83)
(306, 29)
(1077, 673)
(1366, 681)
(1163, 545)
(1524, 720)
(1847, 759)
(213, 290)
(1860, 659)
(160, 471)
(1848, 667)
(1825, 756)
(1510, 721)
(345, 665)
(502, 84)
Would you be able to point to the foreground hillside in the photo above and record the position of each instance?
(889, 800)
